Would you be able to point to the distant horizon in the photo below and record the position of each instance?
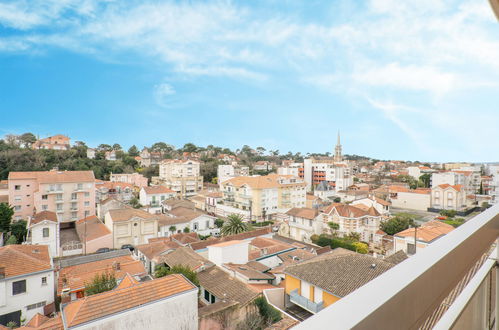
(415, 80)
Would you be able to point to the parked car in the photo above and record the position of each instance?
(103, 250)
(128, 246)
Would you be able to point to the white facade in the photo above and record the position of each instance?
(153, 199)
(451, 178)
(183, 177)
(39, 293)
(448, 198)
(46, 232)
(291, 169)
(411, 201)
(226, 172)
(339, 173)
(232, 251)
(203, 225)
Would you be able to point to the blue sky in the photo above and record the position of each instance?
(411, 80)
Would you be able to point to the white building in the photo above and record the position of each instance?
(183, 217)
(303, 223)
(181, 176)
(231, 251)
(411, 199)
(450, 178)
(448, 197)
(153, 197)
(43, 229)
(26, 282)
(316, 171)
(226, 172)
(295, 169)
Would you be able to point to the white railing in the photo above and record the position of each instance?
(406, 295)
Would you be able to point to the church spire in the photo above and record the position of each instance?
(337, 150)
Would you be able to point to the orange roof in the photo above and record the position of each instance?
(456, 187)
(262, 182)
(37, 320)
(152, 249)
(54, 176)
(127, 282)
(44, 215)
(228, 243)
(122, 299)
(75, 277)
(157, 190)
(24, 259)
(303, 212)
(428, 232)
(40, 322)
(91, 228)
(112, 184)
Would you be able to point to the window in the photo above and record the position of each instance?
(74, 196)
(87, 203)
(17, 198)
(74, 215)
(79, 186)
(45, 197)
(87, 213)
(45, 207)
(37, 305)
(87, 194)
(206, 295)
(450, 195)
(17, 208)
(18, 287)
(59, 207)
(46, 232)
(44, 280)
(17, 187)
(195, 226)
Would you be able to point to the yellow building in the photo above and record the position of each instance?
(321, 281)
(264, 195)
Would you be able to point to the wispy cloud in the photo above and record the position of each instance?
(162, 92)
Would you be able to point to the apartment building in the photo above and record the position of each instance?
(303, 223)
(338, 175)
(452, 178)
(26, 282)
(448, 197)
(135, 179)
(181, 176)
(70, 194)
(56, 142)
(118, 190)
(226, 172)
(149, 158)
(154, 196)
(295, 169)
(264, 195)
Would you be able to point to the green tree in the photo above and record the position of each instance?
(399, 222)
(191, 275)
(104, 147)
(172, 229)
(361, 247)
(18, 230)
(334, 227)
(116, 147)
(27, 139)
(11, 240)
(100, 283)
(448, 213)
(134, 202)
(6, 213)
(480, 191)
(190, 147)
(186, 230)
(425, 180)
(219, 223)
(269, 314)
(133, 151)
(234, 225)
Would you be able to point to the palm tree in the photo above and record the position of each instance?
(234, 225)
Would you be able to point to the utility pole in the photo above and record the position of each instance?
(415, 237)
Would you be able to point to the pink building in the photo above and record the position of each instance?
(71, 194)
(135, 179)
(56, 142)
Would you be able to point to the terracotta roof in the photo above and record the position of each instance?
(456, 187)
(119, 300)
(248, 271)
(91, 228)
(303, 212)
(351, 211)
(75, 277)
(127, 282)
(181, 238)
(166, 220)
(183, 256)
(37, 320)
(185, 212)
(339, 273)
(44, 215)
(118, 215)
(157, 190)
(258, 266)
(54, 176)
(397, 257)
(24, 259)
(263, 246)
(262, 182)
(40, 322)
(216, 307)
(112, 184)
(227, 243)
(151, 250)
(428, 232)
(382, 201)
(246, 235)
(223, 286)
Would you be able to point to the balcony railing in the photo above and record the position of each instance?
(305, 303)
(406, 296)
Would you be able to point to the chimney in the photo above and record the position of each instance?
(65, 296)
(2, 272)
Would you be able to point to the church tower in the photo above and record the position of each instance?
(337, 150)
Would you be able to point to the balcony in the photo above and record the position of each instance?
(451, 284)
(305, 303)
(246, 196)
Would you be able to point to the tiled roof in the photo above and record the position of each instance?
(75, 277)
(91, 228)
(262, 182)
(24, 259)
(216, 307)
(185, 212)
(40, 322)
(339, 273)
(258, 266)
(129, 213)
(248, 271)
(246, 235)
(263, 246)
(397, 257)
(54, 176)
(151, 250)
(303, 212)
(112, 184)
(44, 215)
(350, 211)
(166, 220)
(183, 256)
(428, 232)
(119, 300)
(456, 187)
(224, 286)
(181, 238)
(157, 190)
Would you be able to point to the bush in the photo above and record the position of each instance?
(455, 222)
(187, 230)
(321, 240)
(100, 283)
(448, 213)
(269, 314)
(399, 222)
(161, 271)
(219, 223)
(263, 224)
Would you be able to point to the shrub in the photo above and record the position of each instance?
(100, 283)
(269, 314)
(448, 213)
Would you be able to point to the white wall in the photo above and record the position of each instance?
(412, 201)
(52, 240)
(236, 253)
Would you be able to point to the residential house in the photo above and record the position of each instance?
(135, 179)
(26, 282)
(170, 300)
(303, 223)
(317, 283)
(152, 197)
(262, 165)
(93, 234)
(181, 176)
(325, 190)
(43, 229)
(411, 199)
(149, 158)
(73, 276)
(91, 153)
(111, 155)
(448, 197)
(264, 195)
(413, 239)
(381, 205)
(131, 226)
(71, 194)
(226, 172)
(184, 217)
(56, 142)
(117, 190)
(149, 252)
(353, 219)
(109, 204)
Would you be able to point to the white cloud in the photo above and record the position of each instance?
(162, 92)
